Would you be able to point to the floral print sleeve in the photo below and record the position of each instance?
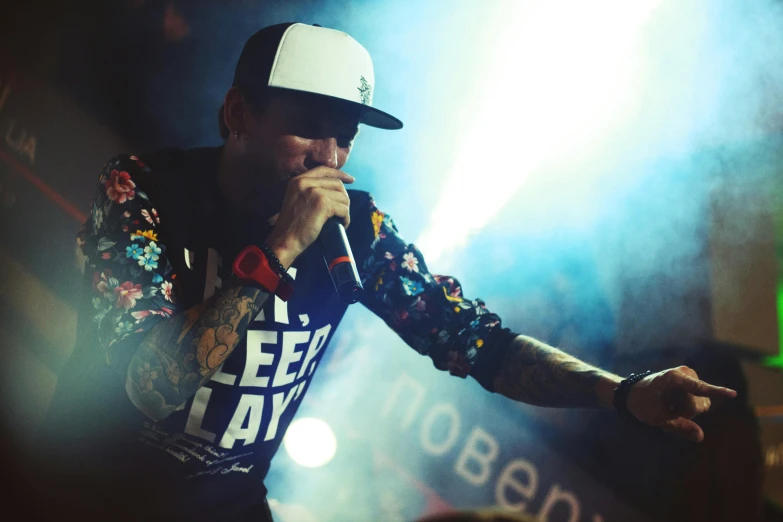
(132, 281)
(428, 311)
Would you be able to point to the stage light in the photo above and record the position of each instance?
(557, 74)
(310, 442)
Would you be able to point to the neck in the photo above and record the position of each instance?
(235, 178)
(228, 168)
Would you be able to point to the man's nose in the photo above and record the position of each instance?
(323, 152)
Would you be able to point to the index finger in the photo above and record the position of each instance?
(328, 172)
(703, 389)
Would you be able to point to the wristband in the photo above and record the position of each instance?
(276, 265)
(621, 394)
(252, 264)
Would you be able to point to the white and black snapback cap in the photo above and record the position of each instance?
(311, 59)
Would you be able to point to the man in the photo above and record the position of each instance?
(210, 305)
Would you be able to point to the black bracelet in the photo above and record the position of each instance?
(276, 265)
(621, 394)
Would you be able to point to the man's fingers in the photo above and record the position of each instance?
(334, 184)
(690, 406)
(326, 172)
(701, 388)
(341, 211)
(330, 203)
(690, 372)
(684, 428)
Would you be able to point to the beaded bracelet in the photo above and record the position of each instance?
(621, 394)
(276, 265)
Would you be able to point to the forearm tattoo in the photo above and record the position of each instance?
(536, 373)
(180, 355)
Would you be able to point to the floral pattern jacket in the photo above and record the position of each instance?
(134, 285)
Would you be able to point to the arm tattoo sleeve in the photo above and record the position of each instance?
(538, 374)
(180, 355)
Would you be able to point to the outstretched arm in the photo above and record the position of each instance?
(430, 313)
(535, 373)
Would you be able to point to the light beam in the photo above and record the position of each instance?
(559, 72)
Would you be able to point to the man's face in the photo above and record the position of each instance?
(296, 132)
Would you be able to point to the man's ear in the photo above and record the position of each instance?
(234, 109)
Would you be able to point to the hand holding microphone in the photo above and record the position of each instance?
(316, 204)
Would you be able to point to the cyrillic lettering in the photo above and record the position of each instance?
(483, 461)
(418, 390)
(439, 448)
(509, 481)
(556, 495)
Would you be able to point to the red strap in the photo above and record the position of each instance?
(251, 264)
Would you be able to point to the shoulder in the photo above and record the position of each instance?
(163, 160)
(127, 176)
(362, 203)
(128, 168)
(359, 200)
(127, 163)
(360, 233)
(122, 180)
(183, 178)
(146, 163)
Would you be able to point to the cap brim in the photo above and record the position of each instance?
(375, 118)
(369, 115)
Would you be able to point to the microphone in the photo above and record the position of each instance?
(339, 261)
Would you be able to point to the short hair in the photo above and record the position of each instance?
(258, 102)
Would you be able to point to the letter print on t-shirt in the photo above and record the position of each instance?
(240, 415)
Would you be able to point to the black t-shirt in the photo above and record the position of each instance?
(160, 239)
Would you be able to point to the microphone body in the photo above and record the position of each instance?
(339, 261)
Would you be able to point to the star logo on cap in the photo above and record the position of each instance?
(365, 91)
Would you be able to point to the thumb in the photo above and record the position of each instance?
(684, 428)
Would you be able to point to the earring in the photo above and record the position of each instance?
(236, 135)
